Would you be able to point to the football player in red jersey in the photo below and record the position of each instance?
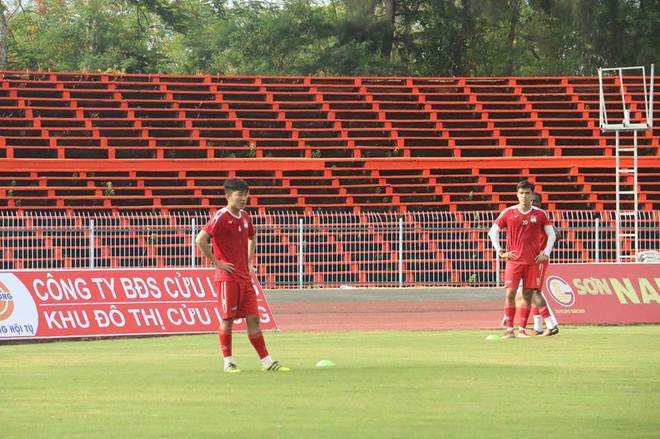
(525, 225)
(540, 310)
(232, 234)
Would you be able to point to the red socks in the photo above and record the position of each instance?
(510, 313)
(535, 309)
(257, 340)
(545, 312)
(225, 343)
(524, 315)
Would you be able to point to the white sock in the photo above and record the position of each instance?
(229, 360)
(538, 323)
(267, 361)
(550, 322)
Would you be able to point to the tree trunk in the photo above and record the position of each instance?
(389, 8)
(514, 20)
(3, 37)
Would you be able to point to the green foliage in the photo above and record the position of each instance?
(94, 35)
(338, 37)
(109, 189)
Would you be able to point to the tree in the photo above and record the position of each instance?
(93, 35)
(4, 34)
(331, 37)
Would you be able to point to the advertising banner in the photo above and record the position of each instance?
(604, 293)
(92, 303)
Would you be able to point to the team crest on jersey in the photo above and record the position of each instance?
(533, 218)
(245, 223)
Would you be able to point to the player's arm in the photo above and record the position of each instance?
(545, 254)
(252, 245)
(202, 241)
(494, 235)
(558, 234)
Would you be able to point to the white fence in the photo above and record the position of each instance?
(313, 250)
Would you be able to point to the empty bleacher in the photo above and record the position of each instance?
(111, 142)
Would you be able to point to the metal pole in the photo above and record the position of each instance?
(597, 240)
(91, 243)
(193, 229)
(300, 253)
(635, 240)
(617, 230)
(400, 252)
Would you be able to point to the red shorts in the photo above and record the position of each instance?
(532, 275)
(236, 299)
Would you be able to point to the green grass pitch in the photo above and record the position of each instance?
(589, 382)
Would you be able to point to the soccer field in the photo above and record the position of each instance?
(587, 382)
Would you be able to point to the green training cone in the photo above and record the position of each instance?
(493, 337)
(325, 363)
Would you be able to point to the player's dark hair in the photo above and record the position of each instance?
(235, 185)
(536, 194)
(525, 184)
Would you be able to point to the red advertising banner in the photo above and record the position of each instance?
(604, 293)
(85, 303)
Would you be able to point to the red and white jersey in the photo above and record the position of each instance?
(524, 232)
(229, 235)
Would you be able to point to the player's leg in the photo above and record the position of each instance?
(227, 299)
(525, 307)
(550, 322)
(531, 279)
(259, 343)
(225, 337)
(518, 294)
(256, 338)
(536, 316)
(551, 326)
(512, 276)
(250, 309)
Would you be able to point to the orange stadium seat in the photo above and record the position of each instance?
(107, 142)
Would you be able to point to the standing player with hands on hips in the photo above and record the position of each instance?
(525, 225)
(233, 237)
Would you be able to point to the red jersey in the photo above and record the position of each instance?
(525, 232)
(230, 234)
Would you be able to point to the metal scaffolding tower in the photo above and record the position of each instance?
(619, 120)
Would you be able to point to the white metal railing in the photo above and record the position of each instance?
(312, 250)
